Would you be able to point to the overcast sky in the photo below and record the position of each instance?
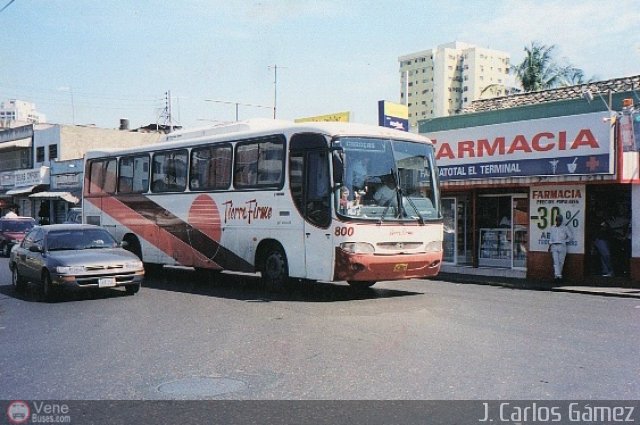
(116, 59)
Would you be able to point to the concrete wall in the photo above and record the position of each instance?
(76, 140)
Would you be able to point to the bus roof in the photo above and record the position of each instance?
(262, 127)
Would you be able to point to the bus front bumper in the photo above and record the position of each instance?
(371, 267)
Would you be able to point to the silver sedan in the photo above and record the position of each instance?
(84, 256)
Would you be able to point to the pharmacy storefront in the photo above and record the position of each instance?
(504, 183)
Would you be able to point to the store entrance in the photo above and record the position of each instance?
(503, 230)
(608, 232)
(458, 230)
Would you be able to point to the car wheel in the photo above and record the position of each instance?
(49, 292)
(275, 270)
(132, 289)
(361, 284)
(17, 280)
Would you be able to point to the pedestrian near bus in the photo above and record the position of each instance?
(558, 238)
(601, 245)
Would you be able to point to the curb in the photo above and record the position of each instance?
(540, 285)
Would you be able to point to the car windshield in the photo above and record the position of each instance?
(388, 179)
(79, 239)
(17, 225)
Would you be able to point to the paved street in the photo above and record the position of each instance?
(180, 338)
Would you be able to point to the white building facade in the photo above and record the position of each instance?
(41, 165)
(443, 81)
(14, 113)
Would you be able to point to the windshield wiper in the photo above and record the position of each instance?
(413, 205)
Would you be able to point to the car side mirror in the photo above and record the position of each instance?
(35, 248)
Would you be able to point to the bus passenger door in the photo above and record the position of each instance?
(311, 193)
(319, 250)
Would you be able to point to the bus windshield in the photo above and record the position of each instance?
(388, 180)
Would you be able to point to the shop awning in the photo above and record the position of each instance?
(65, 196)
(21, 190)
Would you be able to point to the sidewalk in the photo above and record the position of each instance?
(595, 287)
(600, 290)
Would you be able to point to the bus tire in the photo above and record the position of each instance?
(133, 245)
(275, 269)
(361, 284)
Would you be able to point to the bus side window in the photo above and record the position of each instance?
(246, 163)
(259, 163)
(102, 176)
(169, 171)
(211, 168)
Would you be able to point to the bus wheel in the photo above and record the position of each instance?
(275, 270)
(133, 245)
(361, 284)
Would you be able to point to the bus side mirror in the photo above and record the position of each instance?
(337, 159)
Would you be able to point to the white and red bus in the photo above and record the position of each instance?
(317, 201)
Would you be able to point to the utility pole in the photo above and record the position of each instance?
(165, 115)
(169, 111)
(275, 88)
(73, 107)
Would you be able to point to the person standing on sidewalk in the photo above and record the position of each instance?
(601, 245)
(558, 239)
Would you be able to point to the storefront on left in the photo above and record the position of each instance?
(64, 191)
(18, 185)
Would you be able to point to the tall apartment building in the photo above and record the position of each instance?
(445, 80)
(14, 113)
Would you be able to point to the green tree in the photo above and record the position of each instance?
(539, 70)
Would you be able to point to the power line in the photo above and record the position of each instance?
(6, 5)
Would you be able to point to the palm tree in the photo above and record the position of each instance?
(538, 70)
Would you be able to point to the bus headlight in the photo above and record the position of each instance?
(357, 247)
(433, 246)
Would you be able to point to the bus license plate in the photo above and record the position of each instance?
(106, 282)
(401, 267)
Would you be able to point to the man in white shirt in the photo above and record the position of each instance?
(559, 236)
